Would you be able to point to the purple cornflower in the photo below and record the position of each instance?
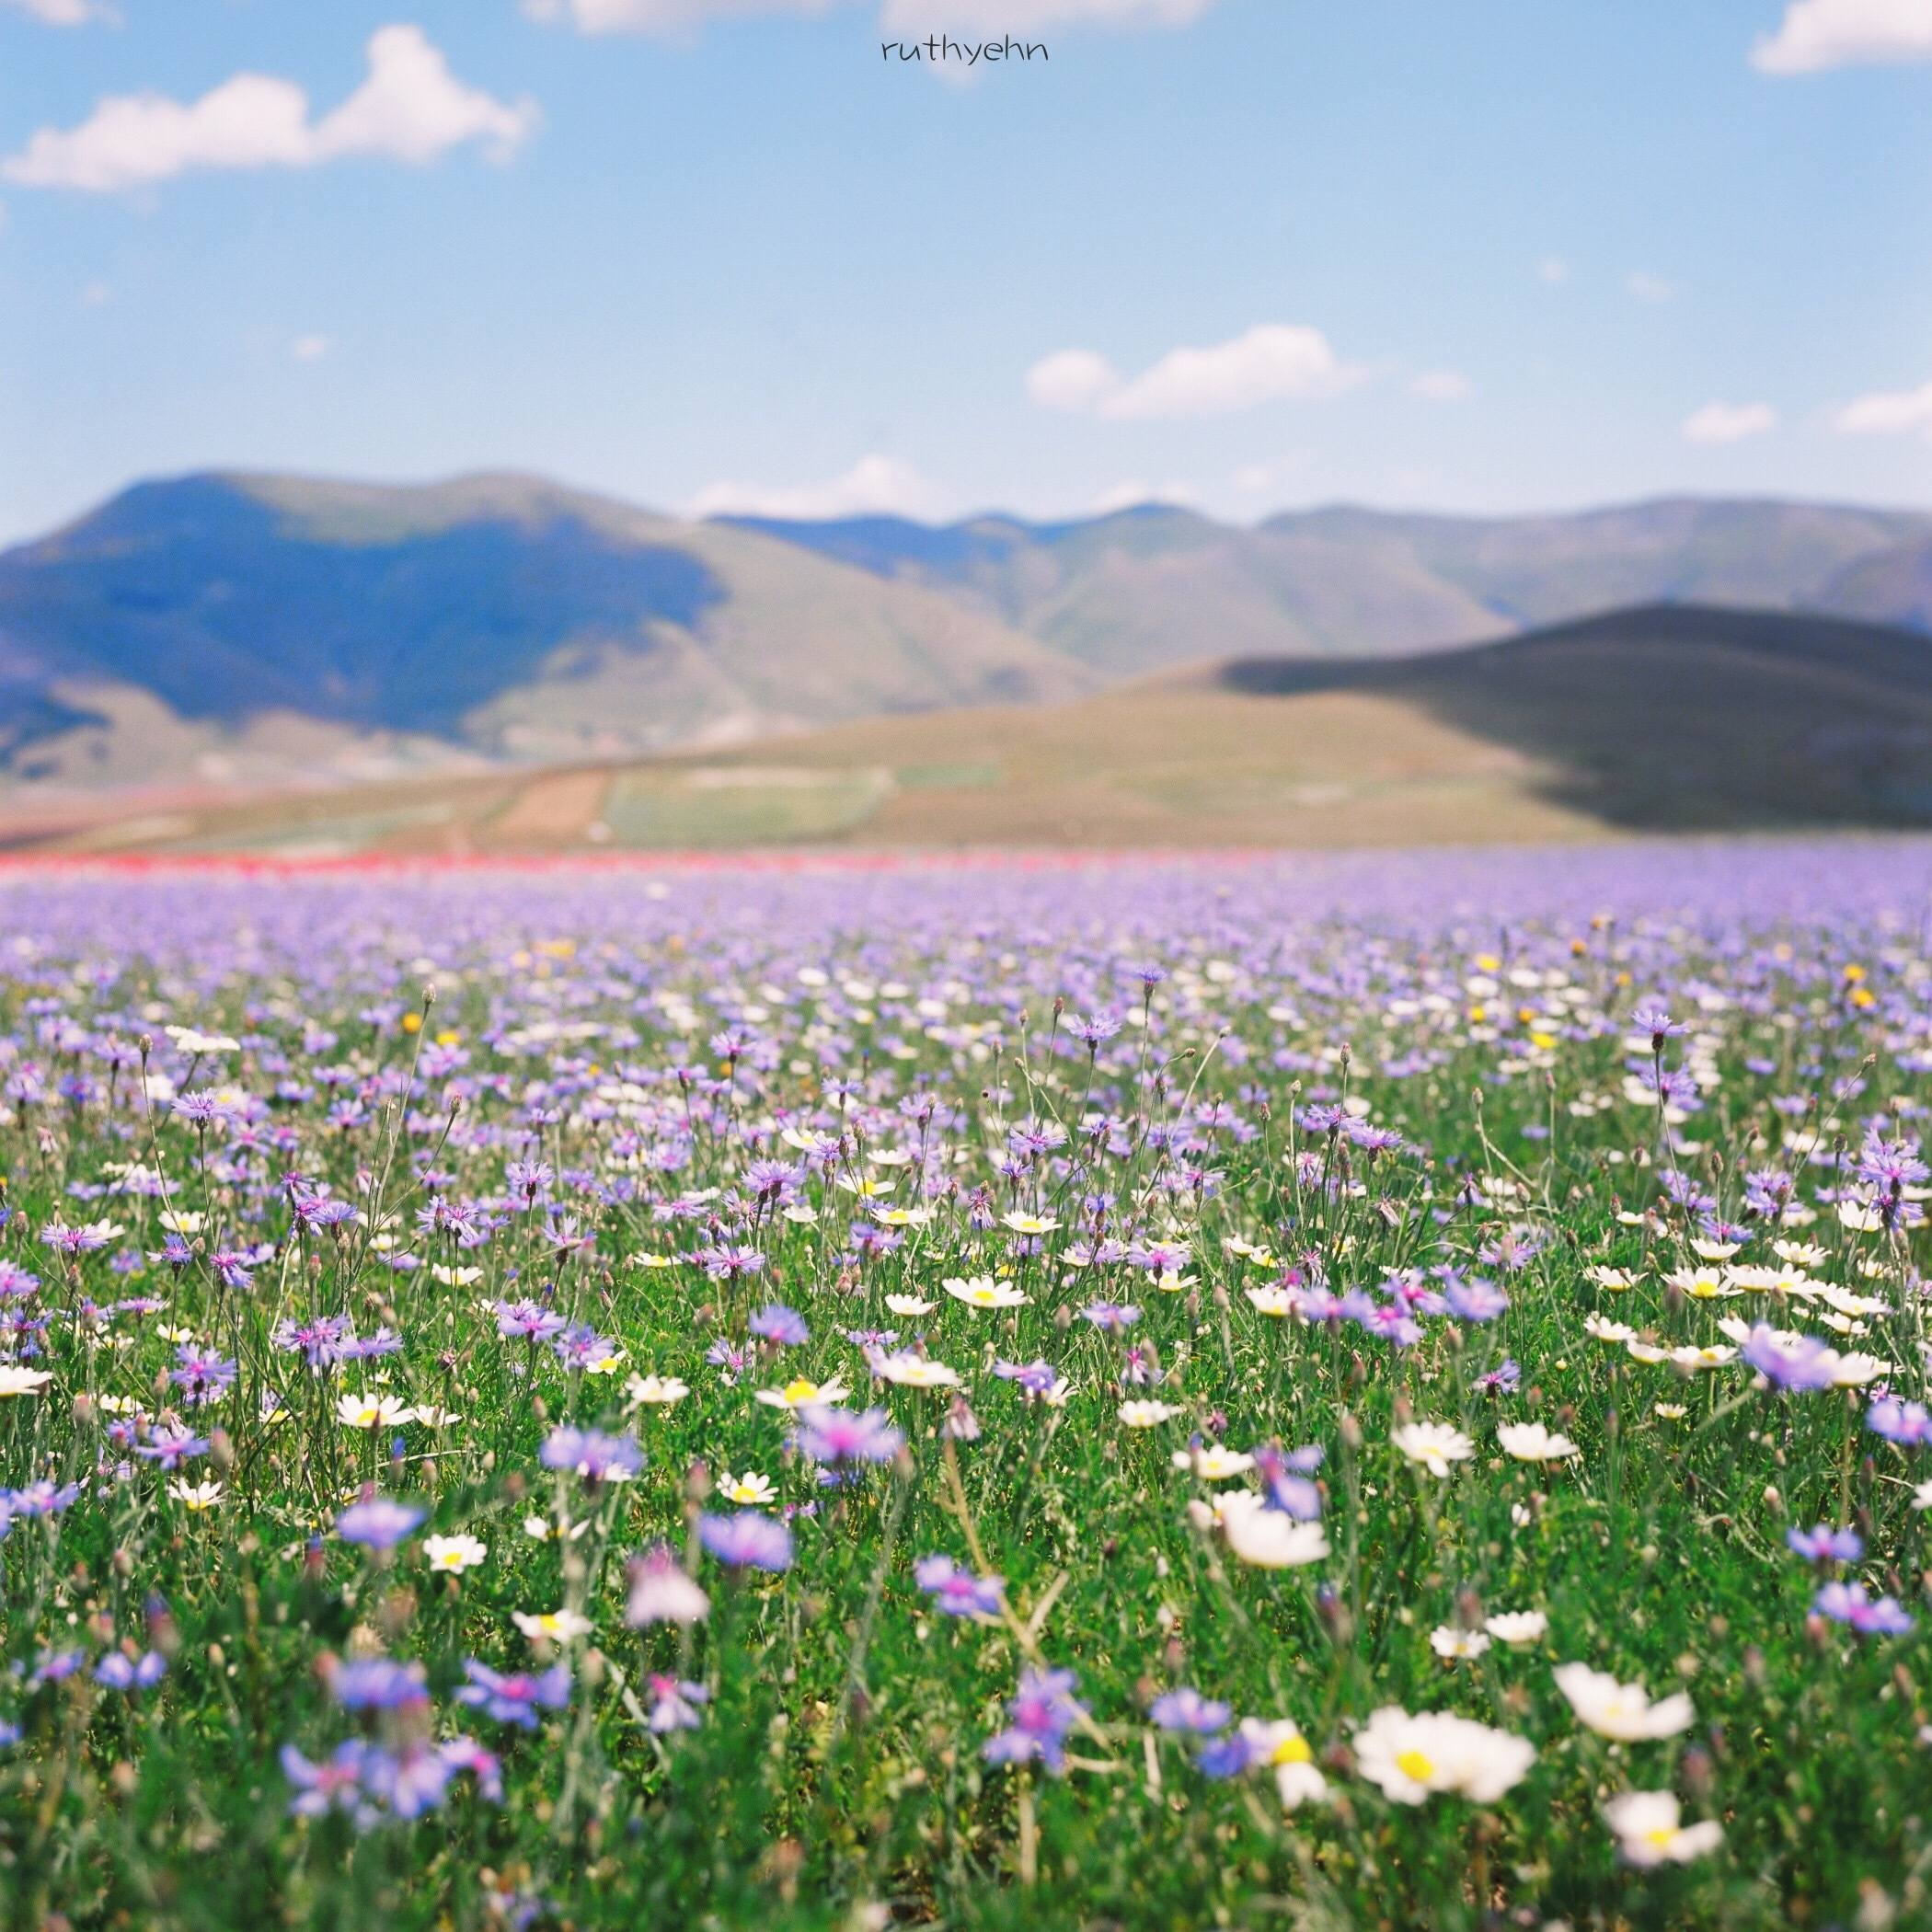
(1506, 1376)
(316, 1211)
(464, 1753)
(1392, 1324)
(378, 1522)
(1847, 1603)
(1824, 1544)
(1159, 1257)
(1795, 1362)
(579, 1346)
(1042, 1711)
(1229, 1756)
(1095, 1028)
(1905, 1424)
(40, 1499)
(673, 1703)
(516, 1698)
(776, 1322)
(772, 1181)
(334, 1784)
(1657, 1023)
(1112, 1318)
(746, 1540)
(71, 1241)
(660, 1593)
(526, 1320)
(1475, 1299)
(1285, 1479)
(1037, 1378)
(409, 1781)
(379, 1683)
(957, 1592)
(726, 1263)
(595, 1456)
(527, 1177)
(1890, 1164)
(1186, 1710)
(841, 1438)
(172, 1447)
(201, 1374)
(1682, 1189)
(233, 1270)
(319, 1342)
(730, 1357)
(120, 1671)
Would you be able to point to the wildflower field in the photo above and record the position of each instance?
(1383, 1392)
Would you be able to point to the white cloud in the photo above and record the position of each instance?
(1729, 423)
(672, 18)
(1816, 34)
(311, 348)
(874, 486)
(1441, 386)
(1003, 16)
(1130, 496)
(410, 108)
(1269, 363)
(660, 16)
(62, 13)
(1553, 268)
(1071, 379)
(1650, 288)
(1253, 479)
(1894, 412)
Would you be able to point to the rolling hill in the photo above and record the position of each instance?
(258, 626)
(1671, 717)
(1141, 590)
(225, 631)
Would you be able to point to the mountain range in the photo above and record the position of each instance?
(231, 630)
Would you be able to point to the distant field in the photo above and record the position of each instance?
(1673, 717)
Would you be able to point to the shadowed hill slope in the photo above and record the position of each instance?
(1677, 715)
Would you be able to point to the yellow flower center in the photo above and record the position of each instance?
(1415, 1764)
(1294, 1750)
(800, 1390)
(1660, 1835)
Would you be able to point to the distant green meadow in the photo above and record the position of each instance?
(1369, 1393)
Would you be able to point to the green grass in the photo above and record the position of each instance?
(722, 806)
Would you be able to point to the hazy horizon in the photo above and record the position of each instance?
(992, 512)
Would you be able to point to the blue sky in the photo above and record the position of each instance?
(1493, 255)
